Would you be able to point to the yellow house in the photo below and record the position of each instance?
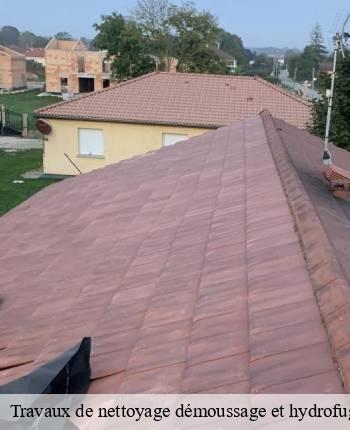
(154, 110)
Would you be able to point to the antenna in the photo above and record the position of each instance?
(340, 40)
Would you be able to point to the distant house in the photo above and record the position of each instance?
(326, 67)
(155, 110)
(229, 60)
(72, 68)
(36, 54)
(12, 69)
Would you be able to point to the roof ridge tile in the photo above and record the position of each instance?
(332, 290)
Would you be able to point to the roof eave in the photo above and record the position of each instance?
(130, 121)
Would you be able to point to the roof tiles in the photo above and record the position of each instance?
(178, 265)
(186, 99)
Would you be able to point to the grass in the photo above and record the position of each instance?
(12, 165)
(27, 101)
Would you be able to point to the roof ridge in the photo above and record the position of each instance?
(211, 75)
(331, 288)
(11, 51)
(283, 91)
(94, 93)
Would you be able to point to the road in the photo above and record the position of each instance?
(15, 143)
(309, 92)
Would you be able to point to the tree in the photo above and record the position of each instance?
(340, 124)
(194, 33)
(233, 45)
(152, 16)
(317, 43)
(126, 46)
(36, 68)
(28, 39)
(63, 35)
(9, 35)
(262, 66)
(308, 62)
(292, 62)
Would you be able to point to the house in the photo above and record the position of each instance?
(326, 67)
(155, 110)
(12, 69)
(71, 67)
(216, 265)
(229, 60)
(36, 54)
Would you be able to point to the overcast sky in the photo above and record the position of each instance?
(260, 23)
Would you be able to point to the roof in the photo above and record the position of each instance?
(184, 99)
(178, 264)
(4, 50)
(35, 52)
(222, 54)
(66, 44)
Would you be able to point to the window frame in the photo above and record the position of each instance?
(91, 155)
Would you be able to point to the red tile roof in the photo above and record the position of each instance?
(186, 268)
(35, 52)
(198, 100)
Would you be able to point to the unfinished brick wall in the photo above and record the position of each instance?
(12, 71)
(71, 64)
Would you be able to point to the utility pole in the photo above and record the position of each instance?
(295, 77)
(326, 154)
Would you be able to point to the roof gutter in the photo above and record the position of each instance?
(122, 121)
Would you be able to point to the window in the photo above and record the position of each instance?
(64, 85)
(171, 138)
(90, 142)
(105, 66)
(81, 64)
(105, 83)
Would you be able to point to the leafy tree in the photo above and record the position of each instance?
(41, 41)
(262, 66)
(124, 41)
(233, 45)
(292, 62)
(340, 124)
(27, 39)
(9, 35)
(152, 17)
(194, 32)
(36, 68)
(310, 59)
(63, 35)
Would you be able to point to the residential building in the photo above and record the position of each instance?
(36, 54)
(155, 110)
(229, 60)
(216, 265)
(12, 69)
(72, 68)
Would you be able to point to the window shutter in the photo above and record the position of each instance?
(90, 142)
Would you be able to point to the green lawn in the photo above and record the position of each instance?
(27, 102)
(12, 164)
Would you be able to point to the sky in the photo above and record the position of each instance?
(260, 23)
